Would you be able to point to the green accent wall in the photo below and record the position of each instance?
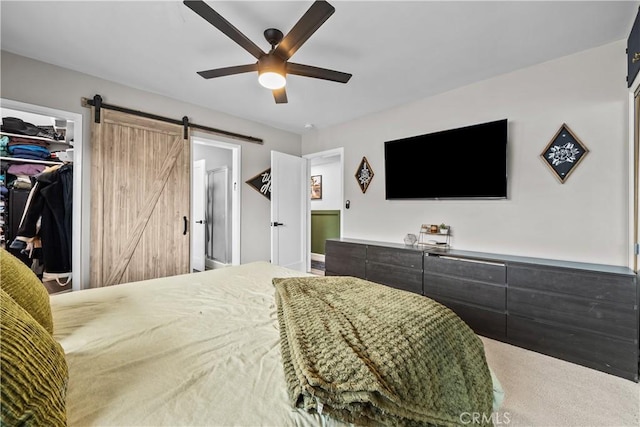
(324, 225)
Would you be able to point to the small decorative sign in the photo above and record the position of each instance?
(564, 153)
(316, 187)
(364, 175)
(262, 183)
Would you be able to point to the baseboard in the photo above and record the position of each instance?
(211, 264)
(317, 257)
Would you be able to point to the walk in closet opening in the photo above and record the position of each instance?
(40, 215)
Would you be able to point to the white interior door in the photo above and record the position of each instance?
(289, 198)
(198, 217)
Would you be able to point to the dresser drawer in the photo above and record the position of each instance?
(615, 319)
(586, 284)
(466, 268)
(596, 351)
(408, 279)
(478, 293)
(399, 257)
(345, 259)
(344, 267)
(487, 323)
(342, 249)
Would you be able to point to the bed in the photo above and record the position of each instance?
(201, 349)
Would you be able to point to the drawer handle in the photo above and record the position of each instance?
(636, 57)
(477, 261)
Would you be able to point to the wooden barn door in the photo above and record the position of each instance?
(140, 199)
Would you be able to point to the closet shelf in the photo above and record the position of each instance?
(39, 138)
(20, 160)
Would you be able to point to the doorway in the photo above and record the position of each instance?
(215, 202)
(326, 177)
(74, 130)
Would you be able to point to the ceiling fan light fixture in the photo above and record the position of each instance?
(272, 80)
(273, 66)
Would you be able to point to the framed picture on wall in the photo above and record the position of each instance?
(364, 175)
(316, 187)
(564, 153)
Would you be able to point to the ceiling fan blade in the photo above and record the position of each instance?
(313, 18)
(280, 95)
(317, 73)
(227, 71)
(215, 19)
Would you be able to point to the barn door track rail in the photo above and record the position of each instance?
(97, 103)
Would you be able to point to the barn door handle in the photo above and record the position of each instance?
(275, 224)
(201, 222)
(184, 232)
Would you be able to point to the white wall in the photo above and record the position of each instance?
(34, 82)
(584, 219)
(330, 186)
(215, 157)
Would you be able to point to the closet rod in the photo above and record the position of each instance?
(96, 101)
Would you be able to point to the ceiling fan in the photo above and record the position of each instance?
(273, 67)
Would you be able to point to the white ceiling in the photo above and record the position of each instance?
(397, 51)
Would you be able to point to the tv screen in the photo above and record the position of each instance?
(464, 163)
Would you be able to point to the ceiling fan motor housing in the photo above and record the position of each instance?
(271, 63)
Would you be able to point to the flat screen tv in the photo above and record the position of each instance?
(465, 163)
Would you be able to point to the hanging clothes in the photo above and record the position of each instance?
(46, 220)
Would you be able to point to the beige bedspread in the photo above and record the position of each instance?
(199, 350)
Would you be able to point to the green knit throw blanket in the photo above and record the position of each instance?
(369, 354)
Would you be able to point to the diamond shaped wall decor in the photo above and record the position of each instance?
(364, 175)
(564, 153)
(262, 183)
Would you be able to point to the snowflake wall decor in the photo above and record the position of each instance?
(364, 175)
(564, 153)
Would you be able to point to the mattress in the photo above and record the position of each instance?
(196, 349)
(199, 349)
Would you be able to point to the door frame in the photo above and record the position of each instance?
(79, 258)
(634, 178)
(327, 153)
(236, 195)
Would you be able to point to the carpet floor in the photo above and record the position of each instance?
(542, 391)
